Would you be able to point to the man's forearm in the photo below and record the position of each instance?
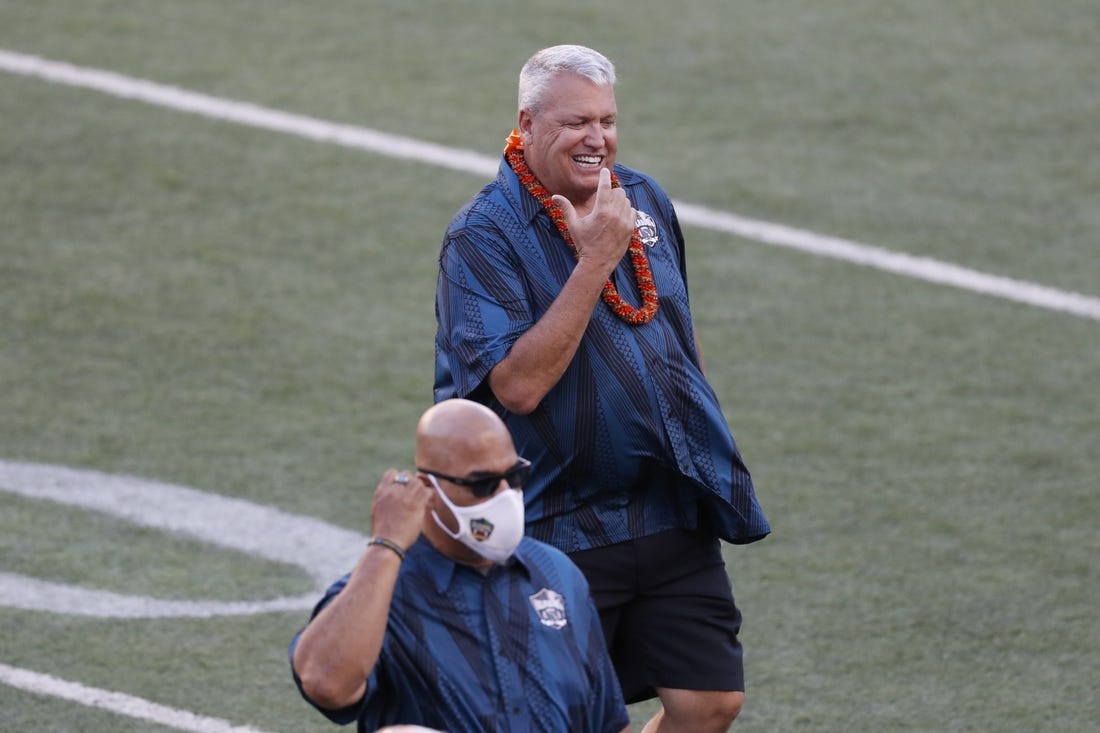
(339, 648)
(539, 357)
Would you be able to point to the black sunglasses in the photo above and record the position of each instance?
(483, 484)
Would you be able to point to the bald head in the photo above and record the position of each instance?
(458, 436)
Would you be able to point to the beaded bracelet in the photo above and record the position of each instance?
(387, 543)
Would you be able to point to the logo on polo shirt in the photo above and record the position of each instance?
(647, 228)
(550, 607)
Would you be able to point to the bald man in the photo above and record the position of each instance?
(453, 619)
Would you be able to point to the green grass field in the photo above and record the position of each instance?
(249, 313)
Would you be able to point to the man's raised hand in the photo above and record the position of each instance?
(603, 234)
(399, 505)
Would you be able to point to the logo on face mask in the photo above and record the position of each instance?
(481, 529)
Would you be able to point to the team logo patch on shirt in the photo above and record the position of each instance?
(481, 529)
(550, 607)
(647, 228)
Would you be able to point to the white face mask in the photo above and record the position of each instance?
(492, 529)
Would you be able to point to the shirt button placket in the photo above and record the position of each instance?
(510, 703)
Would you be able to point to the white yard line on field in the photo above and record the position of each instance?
(396, 146)
(322, 550)
(116, 702)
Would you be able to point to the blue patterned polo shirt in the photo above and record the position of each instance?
(517, 649)
(631, 441)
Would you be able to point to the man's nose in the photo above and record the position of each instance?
(594, 135)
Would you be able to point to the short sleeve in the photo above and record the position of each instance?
(343, 716)
(482, 307)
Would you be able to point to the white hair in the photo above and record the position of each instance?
(540, 70)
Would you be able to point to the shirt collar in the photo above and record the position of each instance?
(443, 570)
(514, 191)
(522, 199)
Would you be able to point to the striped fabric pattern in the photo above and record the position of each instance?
(632, 440)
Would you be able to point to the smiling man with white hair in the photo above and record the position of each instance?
(562, 304)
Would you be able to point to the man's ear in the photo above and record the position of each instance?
(425, 481)
(433, 500)
(524, 122)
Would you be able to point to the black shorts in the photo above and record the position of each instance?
(668, 613)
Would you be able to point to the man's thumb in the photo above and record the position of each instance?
(566, 207)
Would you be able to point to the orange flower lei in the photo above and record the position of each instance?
(646, 286)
